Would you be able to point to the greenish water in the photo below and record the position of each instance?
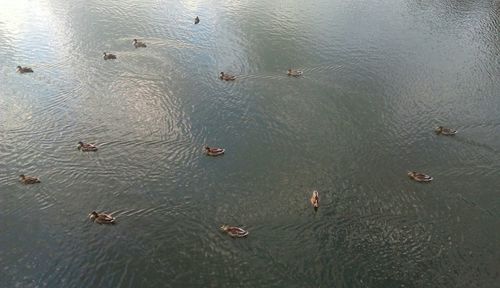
(378, 77)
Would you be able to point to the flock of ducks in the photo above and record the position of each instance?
(235, 232)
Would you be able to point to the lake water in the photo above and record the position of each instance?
(379, 76)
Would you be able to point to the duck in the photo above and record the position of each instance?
(138, 44)
(419, 177)
(102, 218)
(86, 147)
(226, 77)
(108, 56)
(196, 20)
(315, 200)
(214, 151)
(294, 72)
(28, 179)
(445, 131)
(24, 70)
(235, 232)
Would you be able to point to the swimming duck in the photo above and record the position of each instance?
(315, 200)
(28, 179)
(226, 77)
(419, 177)
(214, 151)
(445, 131)
(86, 147)
(108, 56)
(235, 232)
(196, 20)
(138, 44)
(24, 70)
(101, 218)
(293, 72)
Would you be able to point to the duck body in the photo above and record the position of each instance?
(102, 218)
(28, 179)
(108, 56)
(445, 131)
(315, 200)
(226, 77)
(196, 20)
(419, 177)
(23, 70)
(138, 44)
(235, 232)
(214, 151)
(86, 147)
(294, 72)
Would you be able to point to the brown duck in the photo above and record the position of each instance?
(226, 77)
(28, 179)
(101, 218)
(419, 177)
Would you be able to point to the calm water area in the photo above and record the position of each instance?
(379, 76)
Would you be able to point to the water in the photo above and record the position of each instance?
(378, 77)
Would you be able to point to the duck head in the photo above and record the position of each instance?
(93, 215)
(80, 144)
(224, 227)
(22, 176)
(134, 41)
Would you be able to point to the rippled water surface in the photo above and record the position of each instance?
(378, 77)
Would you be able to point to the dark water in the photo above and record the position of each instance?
(378, 77)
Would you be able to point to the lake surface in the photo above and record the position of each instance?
(379, 76)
